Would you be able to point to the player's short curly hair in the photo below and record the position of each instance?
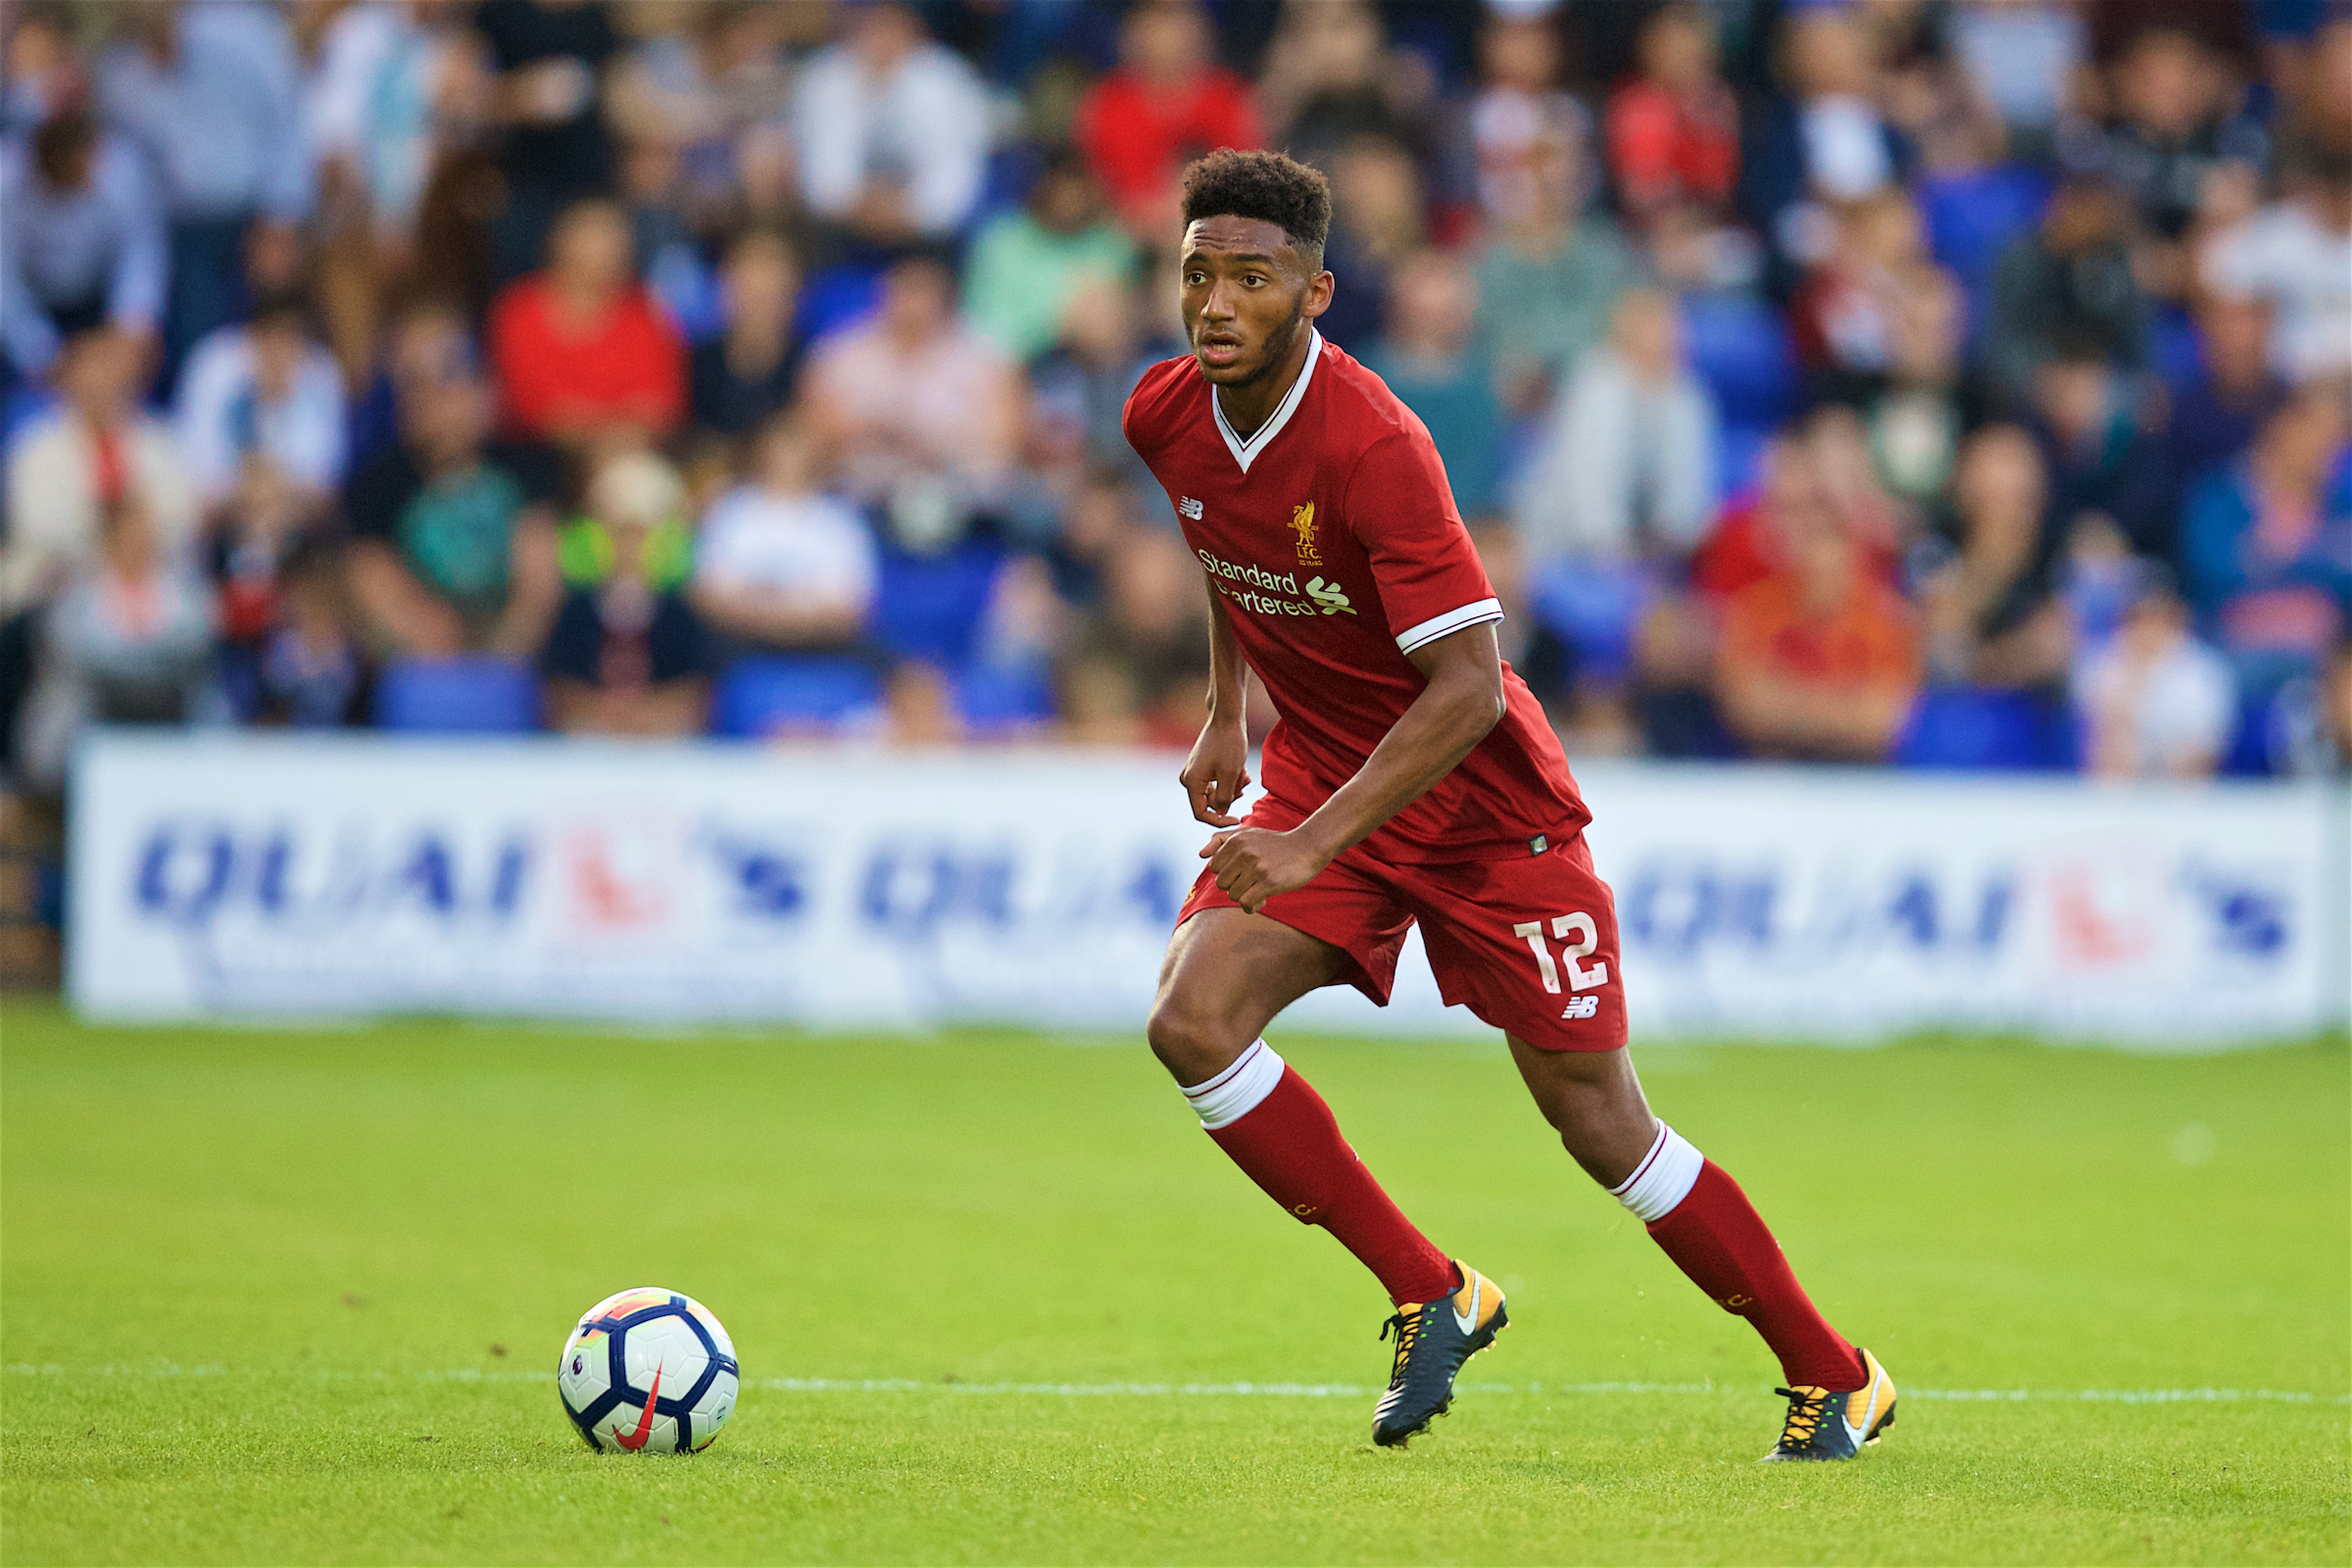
(1267, 186)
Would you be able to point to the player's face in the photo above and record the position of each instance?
(1248, 295)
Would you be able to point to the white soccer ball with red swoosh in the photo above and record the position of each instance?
(649, 1371)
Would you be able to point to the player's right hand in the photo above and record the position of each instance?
(1217, 773)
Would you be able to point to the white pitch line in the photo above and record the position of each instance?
(1163, 1391)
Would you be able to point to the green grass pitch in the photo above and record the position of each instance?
(292, 1296)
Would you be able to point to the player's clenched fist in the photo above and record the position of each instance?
(1253, 863)
(1216, 772)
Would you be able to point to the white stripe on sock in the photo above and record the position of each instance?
(1663, 1179)
(1236, 1091)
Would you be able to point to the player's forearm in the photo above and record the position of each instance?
(1225, 700)
(1444, 724)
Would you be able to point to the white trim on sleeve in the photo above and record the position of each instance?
(1454, 620)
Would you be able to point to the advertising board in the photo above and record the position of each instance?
(237, 874)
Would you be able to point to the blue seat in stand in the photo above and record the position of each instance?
(475, 694)
(1739, 347)
(930, 606)
(1960, 728)
(1971, 219)
(1003, 701)
(769, 695)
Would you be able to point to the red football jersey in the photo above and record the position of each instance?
(1332, 539)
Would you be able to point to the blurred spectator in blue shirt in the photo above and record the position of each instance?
(892, 130)
(2214, 417)
(2069, 280)
(2267, 545)
(1430, 359)
(263, 392)
(210, 93)
(83, 243)
(1027, 263)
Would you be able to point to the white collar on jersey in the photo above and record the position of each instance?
(1245, 453)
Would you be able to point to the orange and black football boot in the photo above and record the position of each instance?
(1822, 1425)
(1433, 1340)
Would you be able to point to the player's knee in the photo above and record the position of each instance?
(1187, 1041)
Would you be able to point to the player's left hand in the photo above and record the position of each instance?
(1253, 863)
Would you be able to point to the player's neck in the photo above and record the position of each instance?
(1253, 404)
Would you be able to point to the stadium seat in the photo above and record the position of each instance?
(2176, 349)
(1971, 219)
(474, 694)
(999, 701)
(20, 407)
(930, 606)
(1972, 216)
(1739, 457)
(766, 696)
(838, 296)
(1968, 728)
(1739, 347)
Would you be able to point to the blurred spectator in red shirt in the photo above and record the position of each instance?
(1674, 130)
(1164, 103)
(1820, 659)
(1809, 467)
(579, 350)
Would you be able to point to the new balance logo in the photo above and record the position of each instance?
(1190, 507)
(1582, 1007)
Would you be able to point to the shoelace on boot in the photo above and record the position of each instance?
(1407, 1328)
(1806, 1408)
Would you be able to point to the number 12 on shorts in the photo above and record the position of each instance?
(1587, 937)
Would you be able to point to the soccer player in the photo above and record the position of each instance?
(1411, 777)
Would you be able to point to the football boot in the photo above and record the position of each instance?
(1433, 1340)
(1822, 1425)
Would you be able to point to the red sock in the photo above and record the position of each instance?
(1715, 1236)
(1291, 1146)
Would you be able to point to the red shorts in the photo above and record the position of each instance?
(1529, 943)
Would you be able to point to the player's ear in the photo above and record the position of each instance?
(1317, 300)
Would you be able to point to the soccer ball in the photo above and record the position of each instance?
(649, 1371)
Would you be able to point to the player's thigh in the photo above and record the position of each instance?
(1227, 974)
(1529, 943)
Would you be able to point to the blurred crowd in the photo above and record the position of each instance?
(1946, 384)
